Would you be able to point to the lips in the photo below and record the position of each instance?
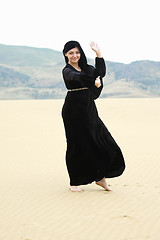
(75, 59)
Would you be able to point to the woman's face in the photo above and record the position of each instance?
(73, 55)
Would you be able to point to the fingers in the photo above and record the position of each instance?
(98, 82)
(93, 44)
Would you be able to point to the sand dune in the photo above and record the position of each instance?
(35, 203)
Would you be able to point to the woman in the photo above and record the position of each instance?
(92, 154)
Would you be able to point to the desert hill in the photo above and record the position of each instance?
(35, 73)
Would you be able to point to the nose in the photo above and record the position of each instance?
(75, 55)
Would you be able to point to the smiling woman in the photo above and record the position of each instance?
(73, 56)
(92, 154)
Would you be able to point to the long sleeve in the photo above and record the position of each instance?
(74, 79)
(100, 67)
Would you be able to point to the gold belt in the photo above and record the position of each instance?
(77, 89)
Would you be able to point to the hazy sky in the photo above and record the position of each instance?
(126, 30)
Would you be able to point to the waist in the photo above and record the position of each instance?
(77, 89)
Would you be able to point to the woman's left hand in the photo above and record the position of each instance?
(98, 82)
(96, 49)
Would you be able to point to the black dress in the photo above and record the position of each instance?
(92, 153)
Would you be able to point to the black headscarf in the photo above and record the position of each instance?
(72, 44)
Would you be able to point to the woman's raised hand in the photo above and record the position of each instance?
(96, 49)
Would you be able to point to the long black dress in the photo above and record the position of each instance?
(92, 153)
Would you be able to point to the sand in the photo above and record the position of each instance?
(35, 203)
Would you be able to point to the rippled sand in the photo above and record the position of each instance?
(35, 203)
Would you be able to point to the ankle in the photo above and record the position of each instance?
(101, 180)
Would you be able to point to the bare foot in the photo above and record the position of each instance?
(104, 184)
(75, 189)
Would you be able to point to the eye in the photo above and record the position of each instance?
(70, 53)
(77, 52)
